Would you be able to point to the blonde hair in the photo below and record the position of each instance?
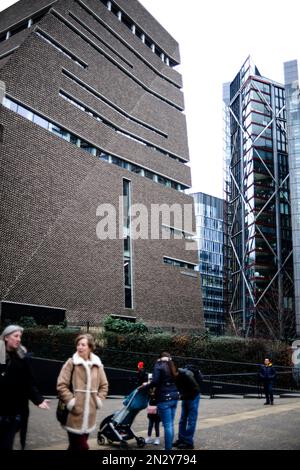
(89, 338)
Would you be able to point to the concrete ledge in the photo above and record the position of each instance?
(289, 395)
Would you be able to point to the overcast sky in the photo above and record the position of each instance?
(215, 38)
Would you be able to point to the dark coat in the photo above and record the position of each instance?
(267, 373)
(141, 377)
(17, 385)
(188, 383)
(163, 382)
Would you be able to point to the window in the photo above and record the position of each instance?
(127, 271)
(114, 9)
(25, 113)
(111, 6)
(10, 105)
(139, 33)
(135, 169)
(127, 21)
(75, 140)
(18, 28)
(149, 174)
(40, 121)
(59, 131)
(86, 146)
(162, 180)
(179, 263)
(127, 244)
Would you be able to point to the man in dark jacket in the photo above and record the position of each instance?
(267, 375)
(188, 383)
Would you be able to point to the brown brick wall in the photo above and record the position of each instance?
(151, 26)
(50, 189)
(20, 10)
(50, 192)
(29, 79)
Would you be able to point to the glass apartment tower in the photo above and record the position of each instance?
(292, 91)
(259, 216)
(210, 240)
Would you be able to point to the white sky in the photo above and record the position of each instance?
(215, 38)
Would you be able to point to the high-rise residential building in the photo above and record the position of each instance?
(94, 158)
(292, 94)
(210, 239)
(259, 216)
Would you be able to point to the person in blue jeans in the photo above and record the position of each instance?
(166, 393)
(188, 383)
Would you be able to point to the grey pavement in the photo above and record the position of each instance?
(223, 424)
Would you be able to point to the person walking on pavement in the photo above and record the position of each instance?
(268, 375)
(82, 385)
(17, 387)
(188, 382)
(166, 392)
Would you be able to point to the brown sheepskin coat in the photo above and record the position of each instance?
(90, 387)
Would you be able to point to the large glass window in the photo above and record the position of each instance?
(88, 147)
(127, 258)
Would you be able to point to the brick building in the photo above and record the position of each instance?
(92, 110)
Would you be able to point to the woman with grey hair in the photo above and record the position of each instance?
(17, 386)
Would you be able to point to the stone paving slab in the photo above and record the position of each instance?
(223, 423)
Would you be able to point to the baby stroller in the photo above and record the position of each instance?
(117, 427)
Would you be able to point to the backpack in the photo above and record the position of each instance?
(187, 383)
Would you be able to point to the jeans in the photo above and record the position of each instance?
(268, 389)
(188, 420)
(167, 411)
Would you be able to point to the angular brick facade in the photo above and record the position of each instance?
(51, 188)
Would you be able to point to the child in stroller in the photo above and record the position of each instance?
(117, 427)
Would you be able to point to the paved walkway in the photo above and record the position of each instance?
(223, 423)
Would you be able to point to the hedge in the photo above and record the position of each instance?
(50, 343)
(215, 348)
(126, 350)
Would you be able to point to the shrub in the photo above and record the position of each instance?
(59, 344)
(27, 322)
(117, 325)
(159, 342)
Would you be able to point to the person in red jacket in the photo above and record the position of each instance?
(142, 376)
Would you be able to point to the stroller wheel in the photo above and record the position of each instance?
(140, 441)
(123, 445)
(100, 439)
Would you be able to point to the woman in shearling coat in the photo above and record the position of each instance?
(82, 385)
